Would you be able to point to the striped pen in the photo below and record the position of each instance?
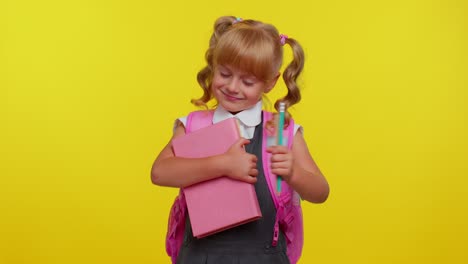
(282, 108)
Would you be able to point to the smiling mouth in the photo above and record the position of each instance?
(230, 97)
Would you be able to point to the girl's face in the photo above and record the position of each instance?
(236, 90)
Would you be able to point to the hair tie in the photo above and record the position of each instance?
(283, 39)
(238, 19)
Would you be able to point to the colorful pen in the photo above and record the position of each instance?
(282, 109)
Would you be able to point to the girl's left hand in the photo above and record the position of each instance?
(281, 161)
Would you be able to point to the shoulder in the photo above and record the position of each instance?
(180, 122)
(203, 115)
(297, 127)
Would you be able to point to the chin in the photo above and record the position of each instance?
(231, 109)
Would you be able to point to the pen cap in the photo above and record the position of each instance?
(282, 107)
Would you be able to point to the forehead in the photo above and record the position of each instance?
(253, 53)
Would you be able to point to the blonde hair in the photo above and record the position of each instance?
(254, 47)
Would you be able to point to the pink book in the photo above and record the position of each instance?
(221, 203)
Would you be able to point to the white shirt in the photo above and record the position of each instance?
(248, 119)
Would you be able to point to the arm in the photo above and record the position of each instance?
(299, 170)
(168, 170)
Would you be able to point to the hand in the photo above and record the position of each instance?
(241, 165)
(281, 161)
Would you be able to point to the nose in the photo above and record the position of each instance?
(232, 86)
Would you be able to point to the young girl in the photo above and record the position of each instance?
(244, 59)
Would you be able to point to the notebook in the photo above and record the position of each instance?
(221, 203)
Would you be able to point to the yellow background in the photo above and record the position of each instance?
(89, 91)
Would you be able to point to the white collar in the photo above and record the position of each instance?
(248, 118)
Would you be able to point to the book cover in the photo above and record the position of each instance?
(221, 203)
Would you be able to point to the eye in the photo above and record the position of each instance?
(248, 82)
(224, 74)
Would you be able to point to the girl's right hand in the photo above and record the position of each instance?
(241, 165)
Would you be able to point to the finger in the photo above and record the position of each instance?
(281, 149)
(281, 165)
(241, 142)
(280, 157)
(253, 172)
(254, 158)
(277, 149)
(270, 149)
(249, 179)
(280, 171)
(253, 165)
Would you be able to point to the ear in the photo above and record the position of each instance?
(271, 84)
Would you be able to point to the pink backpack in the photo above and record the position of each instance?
(288, 207)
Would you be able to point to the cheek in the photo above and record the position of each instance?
(255, 93)
(216, 83)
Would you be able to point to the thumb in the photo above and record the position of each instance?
(241, 142)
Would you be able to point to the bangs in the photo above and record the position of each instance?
(248, 50)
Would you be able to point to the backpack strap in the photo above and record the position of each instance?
(176, 227)
(177, 215)
(286, 193)
(198, 119)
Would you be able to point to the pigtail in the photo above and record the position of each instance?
(204, 79)
(205, 75)
(290, 75)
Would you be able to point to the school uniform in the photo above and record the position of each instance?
(250, 243)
